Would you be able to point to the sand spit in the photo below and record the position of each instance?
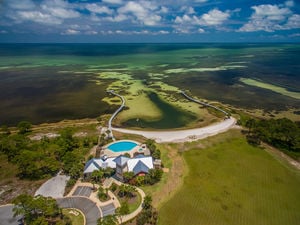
(183, 135)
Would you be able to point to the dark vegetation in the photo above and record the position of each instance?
(283, 134)
(52, 97)
(149, 214)
(39, 159)
(129, 201)
(102, 194)
(39, 210)
(108, 220)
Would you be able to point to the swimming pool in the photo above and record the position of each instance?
(122, 146)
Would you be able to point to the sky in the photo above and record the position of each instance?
(107, 21)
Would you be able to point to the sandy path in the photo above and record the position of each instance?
(183, 135)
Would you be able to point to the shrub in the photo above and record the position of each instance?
(113, 187)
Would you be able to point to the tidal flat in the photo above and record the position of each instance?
(52, 82)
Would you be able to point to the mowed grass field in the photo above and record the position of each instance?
(231, 182)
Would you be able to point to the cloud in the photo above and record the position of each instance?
(91, 32)
(60, 9)
(61, 12)
(113, 1)
(214, 17)
(200, 30)
(194, 24)
(117, 18)
(70, 32)
(293, 22)
(99, 9)
(164, 10)
(188, 10)
(21, 5)
(295, 35)
(145, 17)
(38, 17)
(144, 13)
(49, 12)
(270, 18)
(289, 3)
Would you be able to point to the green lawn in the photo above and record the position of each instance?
(234, 183)
(75, 216)
(136, 203)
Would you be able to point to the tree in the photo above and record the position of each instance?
(147, 202)
(153, 176)
(38, 210)
(126, 190)
(28, 165)
(24, 127)
(151, 145)
(97, 176)
(102, 194)
(140, 180)
(13, 145)
(5, 130)
(108, 172)
(108, 220)
(72, 165)
(128, 176)
(250, 124)
(156, 154)
(122, 210)
(66, 140)
(149, 214)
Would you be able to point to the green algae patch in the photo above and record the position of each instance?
(152, 103)
(220, 68)
(271, 87)
(172, 117)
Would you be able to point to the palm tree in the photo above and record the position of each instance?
(108, 220)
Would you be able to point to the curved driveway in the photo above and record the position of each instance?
(85, 205)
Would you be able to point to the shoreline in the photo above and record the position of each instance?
(187, 135)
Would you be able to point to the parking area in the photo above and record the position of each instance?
(7, 216)
(108, 209)
(83, 191)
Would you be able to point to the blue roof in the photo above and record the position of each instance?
(121, 160)
(139, 156)
(140, 167)
(91, 161)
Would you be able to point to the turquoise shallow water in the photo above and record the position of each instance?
(122, 146)
(52, 82)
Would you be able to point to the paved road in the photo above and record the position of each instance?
(86, 206)
(6, 216)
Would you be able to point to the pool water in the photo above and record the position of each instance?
(122, 146)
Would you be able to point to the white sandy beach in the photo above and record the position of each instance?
(183, 135)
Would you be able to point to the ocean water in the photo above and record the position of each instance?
(51, 82)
